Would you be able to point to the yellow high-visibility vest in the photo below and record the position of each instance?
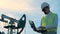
(50, 21)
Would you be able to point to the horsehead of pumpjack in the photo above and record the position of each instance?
(20, 23)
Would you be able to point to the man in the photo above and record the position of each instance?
(49, 22)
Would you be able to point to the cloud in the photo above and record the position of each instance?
(15, 5)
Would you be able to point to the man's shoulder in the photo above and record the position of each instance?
(55, 14)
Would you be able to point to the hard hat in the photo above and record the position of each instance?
(44, 5)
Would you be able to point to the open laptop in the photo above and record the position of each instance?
(41, 30)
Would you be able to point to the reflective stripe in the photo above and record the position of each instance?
(53, 30)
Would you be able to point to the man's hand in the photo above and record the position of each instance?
(41, 29)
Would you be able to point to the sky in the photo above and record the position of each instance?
(32, 9)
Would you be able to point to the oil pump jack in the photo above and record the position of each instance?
(20, 23)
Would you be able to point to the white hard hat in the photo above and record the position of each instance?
(44, 5)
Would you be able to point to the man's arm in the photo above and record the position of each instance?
(40, 30)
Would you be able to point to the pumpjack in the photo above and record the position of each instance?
(20, 23)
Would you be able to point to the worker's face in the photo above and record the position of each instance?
(46, 10)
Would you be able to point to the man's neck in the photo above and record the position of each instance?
(48, 13)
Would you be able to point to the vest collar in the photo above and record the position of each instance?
(49, 13)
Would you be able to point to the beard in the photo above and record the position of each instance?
(46, 12)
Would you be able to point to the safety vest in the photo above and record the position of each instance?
(49, 22)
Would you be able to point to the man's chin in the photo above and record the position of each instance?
(46, 13)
